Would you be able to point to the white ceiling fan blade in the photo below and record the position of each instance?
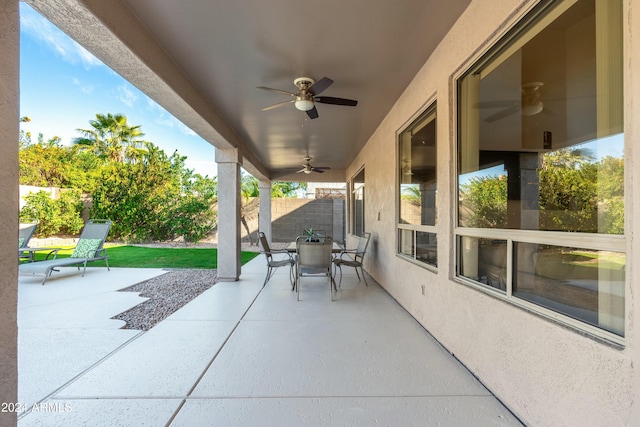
(280, 104)
(284, 92)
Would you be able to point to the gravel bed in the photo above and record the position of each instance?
(167, 293)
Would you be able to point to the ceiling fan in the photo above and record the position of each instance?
(307, 168)
(530, 103)
(307, 95)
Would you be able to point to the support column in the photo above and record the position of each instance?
(229, 204)
(264, 214)
(9, 224)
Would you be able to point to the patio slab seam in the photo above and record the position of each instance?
(204, 371)
(51, 396)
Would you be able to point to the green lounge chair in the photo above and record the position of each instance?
(88, 249)
(24, 236)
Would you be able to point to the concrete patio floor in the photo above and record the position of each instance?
(238, 355)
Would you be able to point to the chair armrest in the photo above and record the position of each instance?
(353, 252)
(279, 252)
(54, 253)
(349, 251)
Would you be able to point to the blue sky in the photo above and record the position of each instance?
(63, 86)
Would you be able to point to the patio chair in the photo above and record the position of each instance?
(274, 263)
(24, 236)
(353, 257)
(88, 249)
(314, 257)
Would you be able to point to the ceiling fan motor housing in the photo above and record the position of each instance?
(303, 83)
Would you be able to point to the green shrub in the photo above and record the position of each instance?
(59, 216)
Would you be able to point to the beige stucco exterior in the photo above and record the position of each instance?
(546, 373)
(9, 82)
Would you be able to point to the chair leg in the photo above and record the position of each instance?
(363, 276)
(331, 286)
(340, 282)
(266, 279)
(46, 275)
(298, 280)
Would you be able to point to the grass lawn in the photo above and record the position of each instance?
(140, 257)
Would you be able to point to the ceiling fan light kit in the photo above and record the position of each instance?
(532, 109)
(531, 102)
(304, 104)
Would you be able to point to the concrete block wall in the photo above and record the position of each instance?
(290, 217)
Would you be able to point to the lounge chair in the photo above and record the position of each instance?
(24, 236)
(89, 248)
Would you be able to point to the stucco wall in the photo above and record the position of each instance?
(546, 373)
(9, 95)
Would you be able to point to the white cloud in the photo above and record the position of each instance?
(87, 89)
(127, 96)
(45, 32)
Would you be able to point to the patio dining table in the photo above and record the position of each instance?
(336, 248)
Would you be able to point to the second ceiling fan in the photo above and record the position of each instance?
(307, 95)
(307, 168)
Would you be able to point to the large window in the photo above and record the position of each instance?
(356, 204)
(541, 166)
(417, 238)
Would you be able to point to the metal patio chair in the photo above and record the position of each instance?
(314, 257)
(273, 263)
(354, 257)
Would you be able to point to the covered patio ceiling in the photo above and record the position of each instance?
(202, 60)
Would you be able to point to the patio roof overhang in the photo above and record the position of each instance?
(202, 61)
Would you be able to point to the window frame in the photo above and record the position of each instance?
(351, 201)
(538, 17)
(430, 108)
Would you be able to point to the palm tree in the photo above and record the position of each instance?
(111, 137)
(412, 194)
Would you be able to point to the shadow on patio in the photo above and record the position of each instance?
(237, 355)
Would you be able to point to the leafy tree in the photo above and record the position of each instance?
(568, 191)
(575, 193)
(112, 138)
(281, 189)
(611, 195)
(484, 202)
(155, 199)
(61, 216)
